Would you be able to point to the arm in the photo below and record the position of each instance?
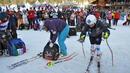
(106, 27)
(53, 34)
(106, 31)
(83, 33)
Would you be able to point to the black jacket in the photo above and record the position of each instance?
(96, 30)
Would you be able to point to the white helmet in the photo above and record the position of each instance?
(91, 19)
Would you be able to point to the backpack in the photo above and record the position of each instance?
(16, 47)
(51, 53)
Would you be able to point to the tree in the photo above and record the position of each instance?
(41, 0)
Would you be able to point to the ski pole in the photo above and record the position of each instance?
(83, 50)
(112, 28)
(110, 51)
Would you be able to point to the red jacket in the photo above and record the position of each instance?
(31, 14)
(117, 15)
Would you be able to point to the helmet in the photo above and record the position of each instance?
(91, 19)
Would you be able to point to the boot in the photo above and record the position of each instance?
(1, 52)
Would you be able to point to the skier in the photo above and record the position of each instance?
(12, 26)
(58, 28)
(96, 30)
(4, 33)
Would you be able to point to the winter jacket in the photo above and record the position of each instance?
(117, 15)
(100, 26)
(55, 26)
(31, 14)
(3, 21)
(4, 25)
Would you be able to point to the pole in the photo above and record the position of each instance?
(110, 51)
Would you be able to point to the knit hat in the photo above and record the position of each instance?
(3, 15)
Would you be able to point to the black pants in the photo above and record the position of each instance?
(115, 22)
(14, 34)
(4, 40)
(109, 20)
(96, 40)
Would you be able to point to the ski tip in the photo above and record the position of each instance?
(40, 54)
(50, 64)
(10, 67)
(87, 71)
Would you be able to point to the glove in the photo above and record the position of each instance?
(3, 36)
(106, 35)
(82, 38)
(51, 45)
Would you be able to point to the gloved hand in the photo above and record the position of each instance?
(82, 38)
(51, 45)
(3, 36)
(105, 35)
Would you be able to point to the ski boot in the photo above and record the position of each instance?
(1, 52)
(6, 52)
(99, 54)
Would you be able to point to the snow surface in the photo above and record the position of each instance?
(36, 40)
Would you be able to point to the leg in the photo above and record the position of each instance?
(29, 20)
(125, 23)
(1, 49)
(99, 53)
(97, 46)
(116, 21)
(109, 22)
(14, 33)
(61, 38)
(92, 50)
(92, 41)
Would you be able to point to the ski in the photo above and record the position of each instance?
(67, 56)
(52, 63)
(90, 62)
(98, 66)
(25, 61)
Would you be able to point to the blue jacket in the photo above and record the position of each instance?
(55, 26)
(12, 22)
